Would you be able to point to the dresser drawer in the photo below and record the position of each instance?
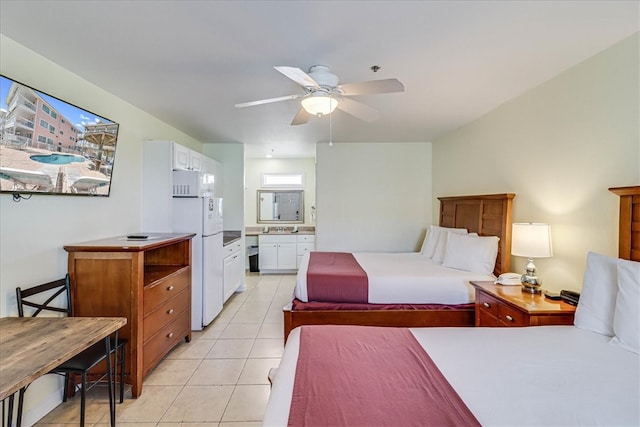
(165, 313)
(168, 336)
(162, 290)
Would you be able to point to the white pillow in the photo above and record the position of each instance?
(471, 253)
(431, 239)
(598, 297)
(441, 245)
(626, 319)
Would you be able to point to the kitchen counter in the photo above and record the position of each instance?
(257, 231)
(231, 236)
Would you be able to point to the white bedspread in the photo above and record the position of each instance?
(406, 278)
(536, 376)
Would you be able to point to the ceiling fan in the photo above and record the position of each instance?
(322, 94)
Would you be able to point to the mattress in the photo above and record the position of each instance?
(406, 278)
(549, 375)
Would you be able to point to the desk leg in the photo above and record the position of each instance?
(112, 402)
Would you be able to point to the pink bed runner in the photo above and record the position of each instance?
(336, 276)
(370, 376)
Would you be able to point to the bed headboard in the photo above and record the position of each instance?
(487, 215)
(629, 224)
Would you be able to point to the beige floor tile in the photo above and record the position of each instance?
(274, 316)
(255, 371)
(172, 372)
(249, 315)
(247, 403)
(241, 424)
(211, 424)
(269, 348)
(212, 332)
(218, 372)
(231, 349)
(199, 404)
(196, 349)
(150, 406)
(240, 330)
(96, 407)
(271, 330)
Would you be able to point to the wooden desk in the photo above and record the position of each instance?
(32, 346)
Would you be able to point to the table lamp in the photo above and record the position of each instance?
(531, 240)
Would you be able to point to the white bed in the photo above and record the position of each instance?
(586, 374)
(551, 375)
(406, 278)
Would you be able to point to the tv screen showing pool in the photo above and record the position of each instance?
(49, 146)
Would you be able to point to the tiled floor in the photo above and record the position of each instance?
(218, 379)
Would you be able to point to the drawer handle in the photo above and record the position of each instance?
(509, 318)
(170, 311)
(170, 288)
(486, 304)
(170, 335)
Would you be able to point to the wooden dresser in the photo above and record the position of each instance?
(498, 305)
(146, 281)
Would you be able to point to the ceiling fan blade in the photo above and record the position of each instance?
(372, 86)
(358, 110)
(298, 76)
(268, 101)
(301, 118)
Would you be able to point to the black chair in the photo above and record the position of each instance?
(82, 363)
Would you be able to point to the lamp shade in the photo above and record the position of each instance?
(531, 240)
(319, 104)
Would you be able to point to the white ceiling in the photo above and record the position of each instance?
(188, 62)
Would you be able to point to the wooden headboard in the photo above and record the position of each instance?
(487, 215)
(629, 225)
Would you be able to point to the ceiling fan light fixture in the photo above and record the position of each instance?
(319, 104)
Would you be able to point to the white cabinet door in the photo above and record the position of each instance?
(228, 276)
(287, 257)
(195, 161)
(268, 256)
(186, 159)
(180, 157)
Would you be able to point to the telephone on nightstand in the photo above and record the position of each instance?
(508, 279)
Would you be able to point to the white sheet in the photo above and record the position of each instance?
(406, 278)
(537, 376)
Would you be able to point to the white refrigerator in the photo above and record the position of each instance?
(203, 215)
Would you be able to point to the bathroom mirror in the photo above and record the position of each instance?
(280, 206)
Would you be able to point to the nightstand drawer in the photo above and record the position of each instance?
(511, 316)
(487, 304)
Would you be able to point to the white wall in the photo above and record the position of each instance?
(33, 231)
(559, 147)
(373, 197)
(231, 156)
(254, 168)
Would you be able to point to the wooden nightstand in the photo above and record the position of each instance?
(498, 305)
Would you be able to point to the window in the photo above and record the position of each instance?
(52, 129)
(46, 108)
(44, 124)
(54, 115)
(42, 139)
(50, 141)
(283, 180)
(61, 132)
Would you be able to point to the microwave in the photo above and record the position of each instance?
(191, 184)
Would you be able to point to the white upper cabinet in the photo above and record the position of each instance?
(186, 159)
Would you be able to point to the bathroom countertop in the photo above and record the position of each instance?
(257, 231)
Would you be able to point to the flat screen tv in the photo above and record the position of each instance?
(49, 146)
